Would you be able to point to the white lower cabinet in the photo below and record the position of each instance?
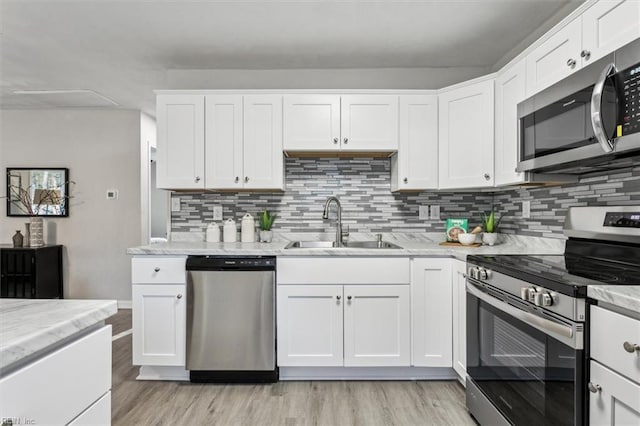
(459, 282)
(617, 402)
(431, 306)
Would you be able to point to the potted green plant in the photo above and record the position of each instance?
(490, 227)
(265, 220)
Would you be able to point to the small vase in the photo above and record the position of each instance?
(27, 234)
(489, 238)
(266, 236)
(37, 232)
(18, 240)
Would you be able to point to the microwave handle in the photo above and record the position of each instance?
(596, 104)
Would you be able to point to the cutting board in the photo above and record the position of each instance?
(454, 244)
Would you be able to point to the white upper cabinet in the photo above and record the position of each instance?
(556, 58)
(369, 123)
(466, 136)
(416, 164)
(340, 123)
(311, 123)
(608, 25)
(510, 90)
(224, 141)
(180, 129)
(262, 150)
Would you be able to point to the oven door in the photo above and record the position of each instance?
(528, 366)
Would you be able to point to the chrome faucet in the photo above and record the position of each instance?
(325, 215)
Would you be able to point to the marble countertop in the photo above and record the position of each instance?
(415, 244)
(28, 326)
(624, 296)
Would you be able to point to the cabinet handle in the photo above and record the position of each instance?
(487, 176)
(594, 388)
(571, 63)
(237, 179)
(345, 140)
(405, 180)
(585, 54)
(246, 179)
(197, 179)
(156, 269)
(630, 347)
(338, 297)
(179, 296)
(336, 140)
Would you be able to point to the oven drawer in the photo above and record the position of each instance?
(613, 337)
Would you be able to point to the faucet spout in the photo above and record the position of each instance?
(325, 215)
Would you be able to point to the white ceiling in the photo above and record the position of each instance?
(124, 49)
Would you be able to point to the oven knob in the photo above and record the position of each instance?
(543, 299)
(526, 292)
(483, 274)
(473, 272)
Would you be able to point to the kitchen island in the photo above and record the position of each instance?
(55, 361)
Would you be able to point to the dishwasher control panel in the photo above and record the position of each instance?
(245, 263)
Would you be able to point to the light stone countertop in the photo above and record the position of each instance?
(624, 296)
(413, 245)
(28, 326)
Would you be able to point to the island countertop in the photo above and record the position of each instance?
(28, 326)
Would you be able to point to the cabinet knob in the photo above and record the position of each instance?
(487, 176)
(237, 179)
(345, 140)
(348, 297)
(630, 347)
(246, 179)
(594, 388)
(585, 54)
(197, 179)
(156, 269)
(179, 296)
(336, 140)
(338, 297)
(571, 63)
(405, 180)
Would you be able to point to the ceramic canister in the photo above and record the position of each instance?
(213, 233)
(248, 229)
(229, 231)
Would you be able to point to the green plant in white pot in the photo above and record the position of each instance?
(265, 220)
(490, 226)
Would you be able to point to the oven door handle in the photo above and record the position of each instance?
(558, 331)
(596, 106)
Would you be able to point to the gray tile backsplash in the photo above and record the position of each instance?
(363, 186)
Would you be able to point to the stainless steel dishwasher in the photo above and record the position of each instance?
(231, 319)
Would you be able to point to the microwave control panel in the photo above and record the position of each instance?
(630, 101)
(622, 220)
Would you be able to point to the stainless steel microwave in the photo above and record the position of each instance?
(587, 122)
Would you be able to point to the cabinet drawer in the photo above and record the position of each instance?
(609, 332)
(56, 388)
(344, 270)
(98, 414)
(158, 270)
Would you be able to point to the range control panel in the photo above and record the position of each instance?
(622, 220)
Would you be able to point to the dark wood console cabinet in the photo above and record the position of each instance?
(31, 273)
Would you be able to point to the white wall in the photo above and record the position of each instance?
(101, 148)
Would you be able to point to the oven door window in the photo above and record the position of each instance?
(529, 376)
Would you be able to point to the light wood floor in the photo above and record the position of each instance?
(284, 403)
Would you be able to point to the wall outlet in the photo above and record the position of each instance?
(175, 204)
(526, 209)
(435, 212)
(112, 194)
(217, 212)
(423, 212)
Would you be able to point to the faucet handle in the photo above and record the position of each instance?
(344, 233)
(379, 237)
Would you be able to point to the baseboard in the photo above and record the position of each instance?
(367, 373)
(124, 304)
(153, 372)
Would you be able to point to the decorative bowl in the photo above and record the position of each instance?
(467, 239)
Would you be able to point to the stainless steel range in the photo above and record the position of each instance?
(527, 319)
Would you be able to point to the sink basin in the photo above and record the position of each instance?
(350, 244)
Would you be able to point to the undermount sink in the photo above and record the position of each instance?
(350, 244)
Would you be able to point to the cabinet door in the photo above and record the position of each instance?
(510, 90)
(311, 123)
(608, 25)
(459, 319)
(180, 128)
(369, 123)
(377, 326)
(159, 324)
(431, 308)
(223, 141)
(466, 136)
(309, 325)
(263, 158)
(617, 402)
(555, 59)
(416, 164)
